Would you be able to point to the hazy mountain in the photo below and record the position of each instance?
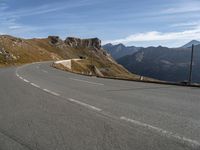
(193, 42)
(170, 64)
(120, 50)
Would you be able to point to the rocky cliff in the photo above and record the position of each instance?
(76, 42)
(89, 43)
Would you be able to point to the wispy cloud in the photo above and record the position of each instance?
(159, 36)
(149, 22)
(10, 18)
(186, 24)
(3, 6)
(184, 7)
(46, 8)
(15, 27)
(3, 17)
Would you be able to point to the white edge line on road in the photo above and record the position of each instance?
(162, 131)
(54, 93)
(35, 85)
(26, 81)
(84, 104)
(51, 92)
(46, 90)
(86, 81)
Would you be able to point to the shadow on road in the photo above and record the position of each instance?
(143, 88)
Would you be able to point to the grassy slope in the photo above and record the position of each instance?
(32, 50)
(24, 51)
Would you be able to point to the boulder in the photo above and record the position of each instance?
(54, 39)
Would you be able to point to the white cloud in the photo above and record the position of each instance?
(186, 24)
(181, 10)
(184, 7)
(46, 8)
(15, 27)
(3, 6)
(159, 36)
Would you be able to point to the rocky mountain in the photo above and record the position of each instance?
(89, 43)
(169, 64)
(193, 42)
(120, 50)
(16, 51)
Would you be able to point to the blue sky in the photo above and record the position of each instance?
(131, 22)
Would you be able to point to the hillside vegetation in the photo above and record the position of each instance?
(17, 51)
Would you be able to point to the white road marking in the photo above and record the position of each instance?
(86, 81)
(35, 85)
(51, 92)
(84, 104)
(54, 93)
(163, 132)
(46, 90)
(26, 81)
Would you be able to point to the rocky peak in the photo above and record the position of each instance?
(89, 43)
(193, 42)
(54, 39)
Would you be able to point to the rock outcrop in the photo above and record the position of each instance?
(55, 40)
(6, 55)
(88, 43)
(93, 43)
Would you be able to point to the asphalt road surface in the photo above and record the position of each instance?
(42, 108)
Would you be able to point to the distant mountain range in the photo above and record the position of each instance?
(169, 64)
(193, 42)
(120, 50)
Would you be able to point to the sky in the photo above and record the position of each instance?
(144, 23)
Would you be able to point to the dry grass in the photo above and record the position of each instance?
(34, 50)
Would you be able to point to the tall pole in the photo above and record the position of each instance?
(191, 65)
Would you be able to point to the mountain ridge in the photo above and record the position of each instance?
(162, 63)
(189, 44)
(120, 50)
